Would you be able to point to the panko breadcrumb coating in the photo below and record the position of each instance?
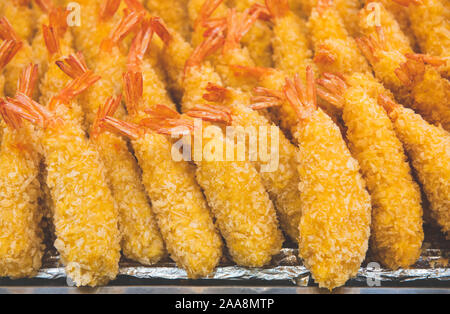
(21, 247)
(282, 182)
(22, 58)
(259, 38)
(428, 148)
(141, 239)
(181, 211)
(335, 50)
(397, 232)
(23, 16)
(336, 208)
(347, 9)
(174, 13)
(430, 21)
(410, 76)
(84, 214)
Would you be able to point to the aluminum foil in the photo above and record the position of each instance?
(286, 266)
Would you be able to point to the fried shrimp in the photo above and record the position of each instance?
(428, 149)
(335, 222)
(397, 233)
(84, 213)
(21, 247)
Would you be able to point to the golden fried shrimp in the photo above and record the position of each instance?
(181, 211)
(428, 150)
(430, 21)
(336, 208)
(335, 50)
(292, 53)
(244, 212)
(281, 180)
(21, 247)
(397, 233)
(174, 13)
(411, 77)
(22, 58)
(347, 9)
(84, 212)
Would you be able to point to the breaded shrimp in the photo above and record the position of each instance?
(410, 77)
(21, 247)
(84, 213)
(281, 182)
(23, 57)
(181, 211)
(335, 223)
(292, 53)
(347, 9)
(335, 49)
(428, 148)
(397, 232)
(245, 215)
(259, 38)
(430, 21)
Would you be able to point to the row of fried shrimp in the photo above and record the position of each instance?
(193, 81)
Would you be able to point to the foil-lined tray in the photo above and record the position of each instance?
(432, 270)
(287, 268)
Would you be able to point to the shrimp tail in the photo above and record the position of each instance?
(28, 80)
(302, 99)
(74, 65)
(161, 30)
(277, 8)
(133, 90)
(108, 8)
(206, 48)
(266, 98)
(51, 39)
(126, 24)
(8, 49)
(207, 9)
(331, 87)
(411, 72)
(107, 110)
(215, 93)
(212, 113)
(140, 46)
(116, 126)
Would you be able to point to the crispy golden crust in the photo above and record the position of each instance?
(85, 216)
(428, 149)
(174, 13)
(282, 183)
(181, 211)
(335, 223)
(397, 233)
(22, 16)
(347, 9)
(430, 21)
(329, 35)
(21, 246)
(244, 212)
(292, 53)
